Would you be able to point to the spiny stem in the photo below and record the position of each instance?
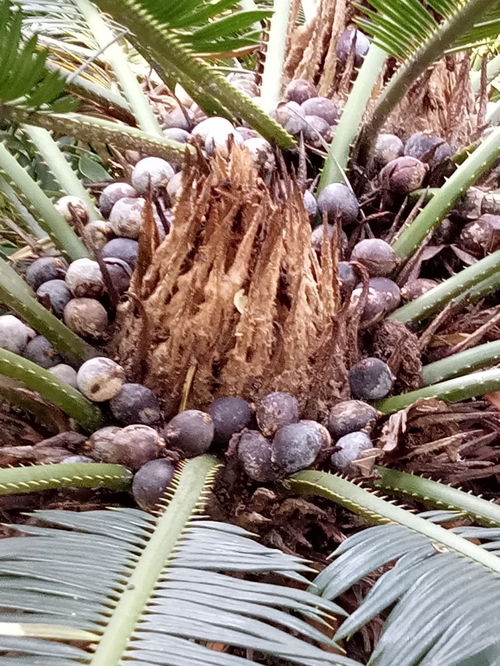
(60, 167)
(99, 131)
(461, 363)
(31, 479)
(352, 116)
(437, 494)
(453, 287)
(452, 390)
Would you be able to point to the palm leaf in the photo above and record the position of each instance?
(408, 30)
(445, 607)
(24, 77)
(153, 589)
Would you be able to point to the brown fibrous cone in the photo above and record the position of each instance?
(235, 297)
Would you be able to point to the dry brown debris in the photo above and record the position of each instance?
(236, 291)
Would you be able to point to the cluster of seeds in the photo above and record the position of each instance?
(269, 439)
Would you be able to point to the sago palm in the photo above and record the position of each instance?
(233, 301)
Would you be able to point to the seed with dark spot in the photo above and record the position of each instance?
(100, 379)
(276, 410)
(370, 379)
(86, 316)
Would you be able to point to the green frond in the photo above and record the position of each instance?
(163, 48)
(24, 77)
(153, 589)
(408, 30)
(445, 608)
(403, 27)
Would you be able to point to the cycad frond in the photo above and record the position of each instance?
(445, 607)
(24, 76)
(137, 588)
(402, 27)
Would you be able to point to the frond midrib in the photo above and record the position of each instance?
(153, 561)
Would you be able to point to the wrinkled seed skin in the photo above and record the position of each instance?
(299, 90)
(337, 201)
(45, 269)
(151, 481)
(352, 447)
(420, 145)
(417, 288)
(135, 445)
(349, 416)
(370, 379)
(254, 455)
(229, 415)
(294, 447)
(86, 316)
(276, 410)
(403, 175)
(376, 255)
(190, 432)
(135, 404)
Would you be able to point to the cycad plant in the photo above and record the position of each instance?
(192, 307)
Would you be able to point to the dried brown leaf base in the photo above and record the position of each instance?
(236, 296)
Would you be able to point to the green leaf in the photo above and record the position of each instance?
(462, 363)
(209, 89)
(145, 586)
(91, 169)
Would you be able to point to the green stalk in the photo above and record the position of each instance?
(454, 286)
(448, 32)
(378, 510)
(452, 390)
(52, 389)
(16, 295)
(31, 224)
(99, 131)
(461, 363)
(275, 55)
(437, 494)
(38, 202)
(32, 479)
(482, 289)
(346, 131)
(208, 88)
(117, 58)
(161, 547)
(60, 168)
(411, 236)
